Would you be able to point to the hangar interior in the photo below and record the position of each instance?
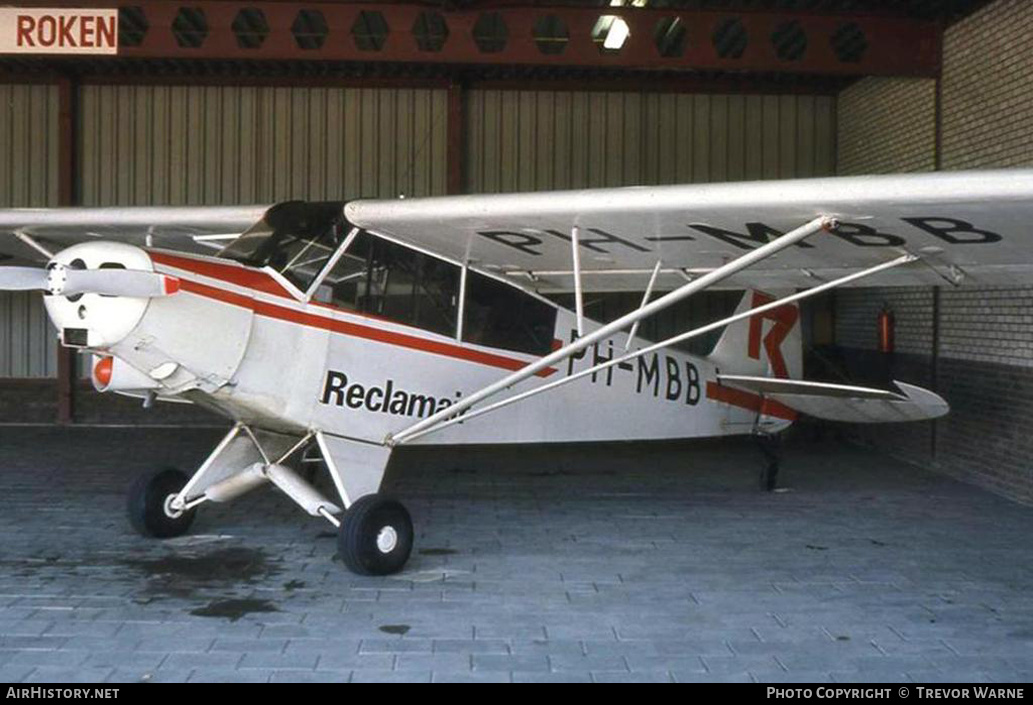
(224, 102)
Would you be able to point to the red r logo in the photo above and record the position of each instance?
(785, 318)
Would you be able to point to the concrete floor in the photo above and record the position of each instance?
(630, 563)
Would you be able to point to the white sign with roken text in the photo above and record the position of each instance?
(59, 30)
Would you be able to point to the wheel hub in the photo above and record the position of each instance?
(387, 539)
(170, 511)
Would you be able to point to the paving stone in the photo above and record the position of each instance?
(60, 659)
(141, 660)
(14, 674)
(391, 677)
(592, 663)
(349, 661)
(250, 645)
(209, 661)
(280, 662)
(469, 677)
(697, 677)
(508, 662)
(549, 646)
(434, 662)
(58, 674)
(479, 646)
(791, 677)
(33, 643)
(637, 677)
(223, 675)
(396, 646)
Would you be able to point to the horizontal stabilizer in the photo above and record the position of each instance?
(838, 402)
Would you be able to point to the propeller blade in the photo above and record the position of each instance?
(23, 279)
(64, 281)
(118, 282)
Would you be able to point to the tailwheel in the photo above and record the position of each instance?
(771, 447)
(376, 536)
(769, 477)
(150, 504)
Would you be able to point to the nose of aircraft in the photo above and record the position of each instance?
(97, 292)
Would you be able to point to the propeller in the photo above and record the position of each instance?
(22, 278)
(60, 280)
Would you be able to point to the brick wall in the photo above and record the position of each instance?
(985, 367)
(887, 125)
(988, 88)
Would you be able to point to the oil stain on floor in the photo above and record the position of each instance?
(234, 609)
(210, 575)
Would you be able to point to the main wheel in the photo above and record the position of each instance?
(376, 536)
(149, 505)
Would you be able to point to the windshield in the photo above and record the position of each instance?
(296, 239)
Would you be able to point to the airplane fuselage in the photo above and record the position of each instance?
(239, 340)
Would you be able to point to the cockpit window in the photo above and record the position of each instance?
(296, 239)
(388, 280)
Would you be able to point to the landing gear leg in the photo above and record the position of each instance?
(375, 533)
(771, 447)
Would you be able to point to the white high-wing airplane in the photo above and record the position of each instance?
(356, 327)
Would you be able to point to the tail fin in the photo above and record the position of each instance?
(766, 345)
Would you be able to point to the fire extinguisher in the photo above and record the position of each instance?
(886, 329)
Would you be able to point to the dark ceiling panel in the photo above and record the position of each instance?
(798, 41)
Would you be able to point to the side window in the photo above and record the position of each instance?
(501, 316)
(388, 280)
(412, 288)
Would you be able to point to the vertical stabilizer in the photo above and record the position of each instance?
(766, 345)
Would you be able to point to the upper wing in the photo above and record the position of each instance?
(967, 227)
(191, 228)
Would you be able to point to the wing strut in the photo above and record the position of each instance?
(34, 244)
(579, 302)
(904, 259)
(645, 300)
(723, 272)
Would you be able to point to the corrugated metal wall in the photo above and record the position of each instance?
(519, 140)
(28, 177)
(182, 144)
(216, 145)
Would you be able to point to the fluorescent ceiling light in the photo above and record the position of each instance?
(617, 35)
(618, 31)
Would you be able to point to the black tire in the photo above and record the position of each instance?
(146, 505)
(361, 526)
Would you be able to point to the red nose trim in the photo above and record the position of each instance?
(171, 284)
(102, 371)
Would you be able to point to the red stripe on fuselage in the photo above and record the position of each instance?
(232, 275)
(749, 400)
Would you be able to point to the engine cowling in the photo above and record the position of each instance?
(94, 320)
